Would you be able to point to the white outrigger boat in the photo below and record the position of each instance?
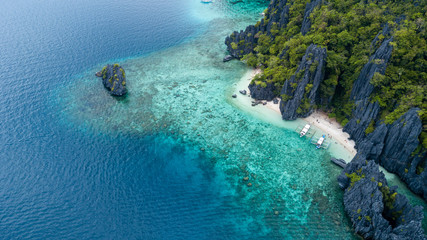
(320, 142)
(304, 130)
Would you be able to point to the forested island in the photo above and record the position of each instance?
(364, 63)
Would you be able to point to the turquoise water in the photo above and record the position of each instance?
(183, 92)
(170, 161)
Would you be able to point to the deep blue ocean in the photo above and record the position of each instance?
(59, 183)
(65, 183)
(177, 159)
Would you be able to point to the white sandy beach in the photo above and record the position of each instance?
(318, 119)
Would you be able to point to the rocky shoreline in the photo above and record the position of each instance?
(393, 146)
(377, 210)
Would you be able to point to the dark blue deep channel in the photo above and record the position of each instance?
(64, 182)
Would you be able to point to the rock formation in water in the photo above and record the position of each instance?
(300, 93)
(114, 79)
(243, 42)
(377, 210)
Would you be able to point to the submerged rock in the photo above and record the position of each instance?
(338, 161)
(114, 79)
(227, 58)
(300, 92)
(377, 210)
(234, 95)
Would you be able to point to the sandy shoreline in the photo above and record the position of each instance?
(318, 119)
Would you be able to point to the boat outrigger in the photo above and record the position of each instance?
(305, 131)
(320, 142)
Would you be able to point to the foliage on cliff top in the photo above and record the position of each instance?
(347, 29)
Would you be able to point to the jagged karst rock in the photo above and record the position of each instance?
(372, 146)
(400, 143)
(386, 33)
(393, 146)
(277, 13)
(364, 113)
(376, 210)
(243, 42)
(262, 93)
(362, 88)
(114, 79)
(306, 24)
(416, 177)
(300, 92)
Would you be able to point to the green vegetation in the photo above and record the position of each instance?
(370, 128)
(346, 28)
(234, 45)
(355, 177)
(388, 200)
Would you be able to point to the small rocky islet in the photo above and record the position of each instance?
(114, 79)
(386, 135)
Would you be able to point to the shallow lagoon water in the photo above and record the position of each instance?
(169, 160)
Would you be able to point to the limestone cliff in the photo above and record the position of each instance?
(306, 24)
(244, 42)
(377, 210)
(300, 93)
(394, 147)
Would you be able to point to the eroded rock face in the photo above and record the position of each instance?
(377, 210)
(114, 79)
(243, 42)
(300, 92)
(306, 24)
(362, 88)
(401, 141)
(262, 93)
(364, 113)
(393, 147)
